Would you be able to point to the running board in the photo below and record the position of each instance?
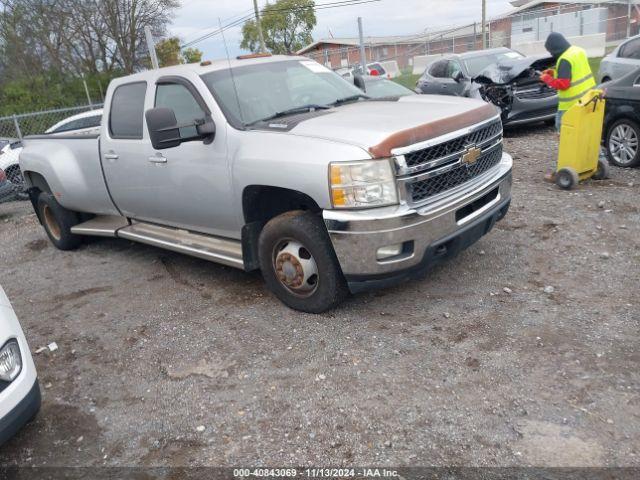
(216, 249)
(101, 226)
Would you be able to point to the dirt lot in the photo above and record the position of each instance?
(169, 360)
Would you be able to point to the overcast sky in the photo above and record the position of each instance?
(387, 17)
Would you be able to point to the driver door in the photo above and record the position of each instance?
(187, 186)
(450, 85)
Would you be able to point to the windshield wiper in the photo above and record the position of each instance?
(352, 98)
(292, 111)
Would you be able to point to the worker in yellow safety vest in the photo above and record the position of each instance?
(572, 77)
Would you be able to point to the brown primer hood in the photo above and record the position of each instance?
(431, 130)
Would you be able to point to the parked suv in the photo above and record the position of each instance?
(278, 164)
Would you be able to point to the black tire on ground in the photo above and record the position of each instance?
(550, 123)
(602, 173)
(290, 246)
(614, 130)
(567, 178)
(57, 222)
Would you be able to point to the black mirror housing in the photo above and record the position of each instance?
(459, 77)
(163, 128)
(206, 130)
(358, 81)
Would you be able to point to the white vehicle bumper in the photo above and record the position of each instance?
(20, 398)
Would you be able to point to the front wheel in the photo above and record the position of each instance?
(298, 263)
(57, 222)
(622, 143)
(567, 178)
(602, 172)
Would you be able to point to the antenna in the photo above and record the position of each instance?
(233, 80)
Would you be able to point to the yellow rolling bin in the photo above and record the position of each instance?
(580, 137)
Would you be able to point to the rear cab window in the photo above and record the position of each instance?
(126, 116)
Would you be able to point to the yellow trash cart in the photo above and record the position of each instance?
(580, 136)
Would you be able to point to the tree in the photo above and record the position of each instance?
(191, 55)
(168, 52)
(286, 25)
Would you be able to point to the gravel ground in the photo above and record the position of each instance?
(167, 360)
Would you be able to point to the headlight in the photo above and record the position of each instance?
(369, 183)
(10, 361)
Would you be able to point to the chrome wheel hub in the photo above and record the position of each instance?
(623, 144)
(295, 267)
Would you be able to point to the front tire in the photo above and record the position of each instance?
(57, 222)
(298, 263)
(622, 143)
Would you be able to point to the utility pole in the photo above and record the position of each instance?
(484, 24)
(628, 18)
(263, 48)
(363, 57)
(86, 90)
(151, 45)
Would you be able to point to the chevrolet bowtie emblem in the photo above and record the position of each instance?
(471, 155)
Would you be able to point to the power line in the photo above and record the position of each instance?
(273, 11)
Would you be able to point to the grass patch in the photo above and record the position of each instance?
(407, 79)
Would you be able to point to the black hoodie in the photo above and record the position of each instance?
(556, 45)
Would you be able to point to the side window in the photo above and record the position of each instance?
(127, 111)
(176, 97)
(453, 68)
(631, 50)
(439, 69)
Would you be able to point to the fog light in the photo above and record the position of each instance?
(10, 361)
(389, 251)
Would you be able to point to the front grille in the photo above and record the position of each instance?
(456, 145)
(535, 93)
(423, 189)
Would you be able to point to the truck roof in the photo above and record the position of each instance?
(208, 66)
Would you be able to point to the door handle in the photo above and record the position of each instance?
(111, 156)
(158, 159)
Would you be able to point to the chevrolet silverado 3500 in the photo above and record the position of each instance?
(278, 164)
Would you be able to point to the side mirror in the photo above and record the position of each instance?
(206, 130)
(459, 77)
(163, 128)
(358, 81)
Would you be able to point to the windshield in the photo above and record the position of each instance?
(266, 89)
(475, 65)
(382, 88)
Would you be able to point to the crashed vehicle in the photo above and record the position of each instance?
(501, 76)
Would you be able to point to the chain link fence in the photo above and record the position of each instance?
(15, 127)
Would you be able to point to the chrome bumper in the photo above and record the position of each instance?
(357, 235)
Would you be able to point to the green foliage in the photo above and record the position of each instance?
(191, 55)
(168, 52)
(286, 25)
(49, 90)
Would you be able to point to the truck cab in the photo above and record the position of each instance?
(278, 164)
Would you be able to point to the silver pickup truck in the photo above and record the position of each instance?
(278, 164)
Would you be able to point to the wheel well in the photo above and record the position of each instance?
(261, 203)
(35, 180)
(605, 79)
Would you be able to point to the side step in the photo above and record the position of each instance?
(216, 249)
(101, 226)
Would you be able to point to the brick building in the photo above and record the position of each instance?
(530, 20)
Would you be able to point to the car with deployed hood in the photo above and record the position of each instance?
(500, 76)
(19, 387)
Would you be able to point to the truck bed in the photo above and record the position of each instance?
(72, 168)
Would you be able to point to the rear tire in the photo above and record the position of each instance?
(298, 263)
(567, 178)
(57, 222)
(623, 143)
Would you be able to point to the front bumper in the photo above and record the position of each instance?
(21, 414)
(431, 233)
(525, 111)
